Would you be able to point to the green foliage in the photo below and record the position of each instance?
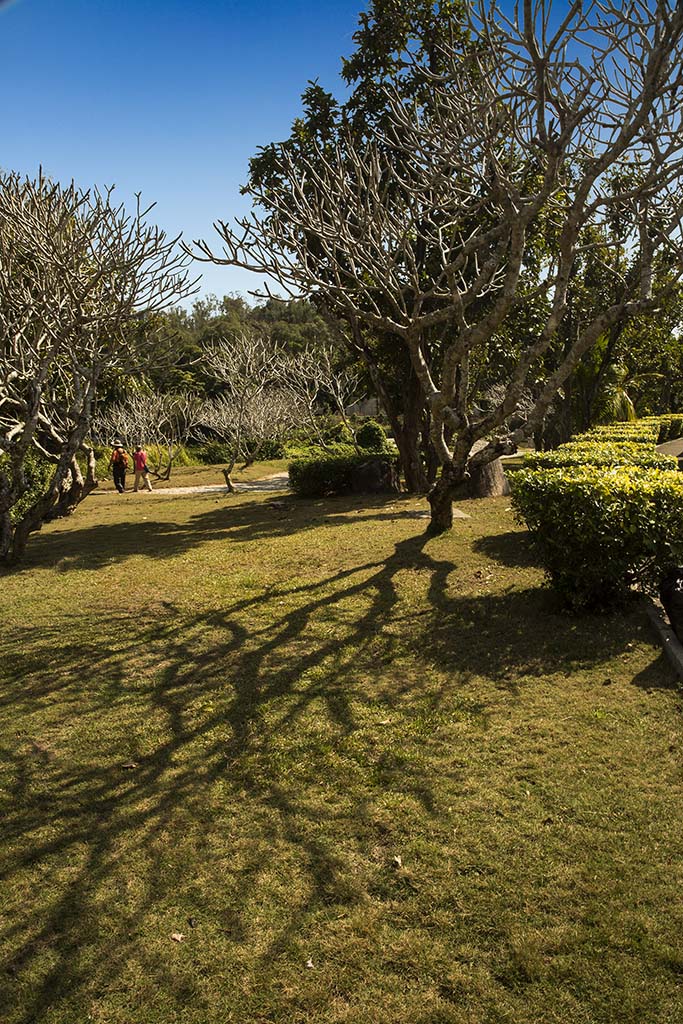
(599, 453)
(212, 453)
(324, 473)
(600, 531)
(372, 436)
(338, 433)
(633, 433)
(268, 449)
(37, 474)
(671, 427)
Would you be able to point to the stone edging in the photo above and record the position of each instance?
(668, 639)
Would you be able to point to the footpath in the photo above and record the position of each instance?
(674, 447)
(275, 482)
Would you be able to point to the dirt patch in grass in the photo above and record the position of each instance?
(364, 776)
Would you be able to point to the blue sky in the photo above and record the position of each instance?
(170, 98)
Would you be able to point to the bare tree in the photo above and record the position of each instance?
(163, 421)
(315, 376)
(77, 275)
(253, 375)
(541, 126)
(245, 426)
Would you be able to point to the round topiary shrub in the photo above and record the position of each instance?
(371, 436)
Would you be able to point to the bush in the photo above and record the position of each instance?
(269, 450)
(211, 453)
(324, 473)
(599, 531)
(337, 433)
(371, 436)
(38, 474)
(599, 453)
(636, 433)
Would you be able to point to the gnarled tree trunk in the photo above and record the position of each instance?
(488, 481)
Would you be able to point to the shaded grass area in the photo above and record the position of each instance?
(366, 776)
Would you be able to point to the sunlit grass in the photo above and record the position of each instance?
(367, 778)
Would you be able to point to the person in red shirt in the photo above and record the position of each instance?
(141, 468)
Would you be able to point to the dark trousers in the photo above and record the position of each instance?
(119, 477)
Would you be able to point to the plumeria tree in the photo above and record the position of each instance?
(426, 229)
(79, 277)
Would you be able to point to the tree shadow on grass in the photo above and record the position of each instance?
(657, 676)
(514, 548)
(101, 545)
(248, 736)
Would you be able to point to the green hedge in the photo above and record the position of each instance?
(599, 531)
(599, 453)
(605, 510)
(670, 427)
(646, 434)
(319, 474)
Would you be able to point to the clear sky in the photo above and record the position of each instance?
(167, 97)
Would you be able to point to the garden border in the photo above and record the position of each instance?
(668, 639)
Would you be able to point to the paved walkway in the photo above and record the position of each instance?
(276, 482)
(674, 447)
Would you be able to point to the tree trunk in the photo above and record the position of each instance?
(228, 482)
(74, 488)
(441, 500)
(406, 423)
(5, 538)
(410, 437)
(488, 481)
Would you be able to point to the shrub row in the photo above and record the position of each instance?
(605, 511)
(600, 453)
(322, 473)
(319, 472)
(599, 531)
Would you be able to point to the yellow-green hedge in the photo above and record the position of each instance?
(600, 531)
(605, 510)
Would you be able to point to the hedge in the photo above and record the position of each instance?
(322, 473)
(600, 453)
(600, 531)
(646, 434)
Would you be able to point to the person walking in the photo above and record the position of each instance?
(118, 464)
(141, 468)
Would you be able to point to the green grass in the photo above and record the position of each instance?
(297, 732)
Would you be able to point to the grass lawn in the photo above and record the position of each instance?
(360, 777)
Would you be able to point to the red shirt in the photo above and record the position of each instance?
(140, 461)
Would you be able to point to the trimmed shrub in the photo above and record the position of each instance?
(599, 453)
(371, 436)
(600, 531)
(325, 473)
(635, 433)
(270, 450)
(673, 426)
